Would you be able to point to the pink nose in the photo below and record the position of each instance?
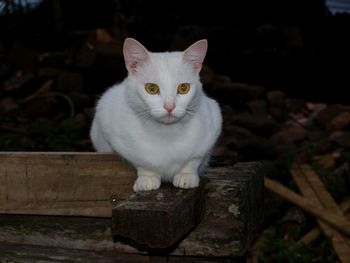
(169, 106)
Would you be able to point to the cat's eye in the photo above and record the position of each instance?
(152, 88)
(183, 88)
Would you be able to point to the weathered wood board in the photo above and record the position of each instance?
(234, 211)
(15, 253)
(164, 216)
(84, 184)
(233, 215)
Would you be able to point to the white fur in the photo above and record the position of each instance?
(135, 124)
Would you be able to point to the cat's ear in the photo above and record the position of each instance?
(195, 54)
(134, 54)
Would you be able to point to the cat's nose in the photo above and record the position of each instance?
(169, 106)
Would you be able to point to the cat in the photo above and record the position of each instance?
(159, 117)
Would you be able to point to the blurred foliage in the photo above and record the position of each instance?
(276, 249)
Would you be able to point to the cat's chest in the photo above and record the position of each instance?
(167, 146)
(176, 135)
(166, 139)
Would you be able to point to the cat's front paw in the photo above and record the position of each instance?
(186, 180)
(146, 183)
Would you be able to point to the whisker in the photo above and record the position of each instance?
(145, 115)
(191, 112)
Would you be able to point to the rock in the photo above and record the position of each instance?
(262, 124)
(341, 138)
(276, 98)
(287, 137)
(258, 107)
(235, 94)
(340, 122)
(315, 106)
(248, 145)
(326, 115)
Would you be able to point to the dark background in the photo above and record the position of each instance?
(295, 46)
(266, 60)
(279, 69)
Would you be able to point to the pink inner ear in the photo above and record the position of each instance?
(134, 54)
(195, 54)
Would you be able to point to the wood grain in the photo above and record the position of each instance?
(59, 183)
(233, 215)
(159, 219)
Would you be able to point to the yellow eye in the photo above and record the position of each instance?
(183, 88)
(152, 88)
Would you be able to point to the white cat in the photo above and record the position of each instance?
(159, 118)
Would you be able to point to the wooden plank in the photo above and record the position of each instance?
(313, 233)
(313, 189)
(323, 195)
(328, 202)
(326, 215)
(234, 208)
(159, 219)
(63, 183)
(28, 253)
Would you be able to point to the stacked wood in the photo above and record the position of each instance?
(231, 219)
(317, 201)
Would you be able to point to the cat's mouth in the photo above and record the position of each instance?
(169, 118)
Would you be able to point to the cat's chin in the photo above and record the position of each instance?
(169, 119)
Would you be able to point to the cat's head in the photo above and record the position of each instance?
(164, 86)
